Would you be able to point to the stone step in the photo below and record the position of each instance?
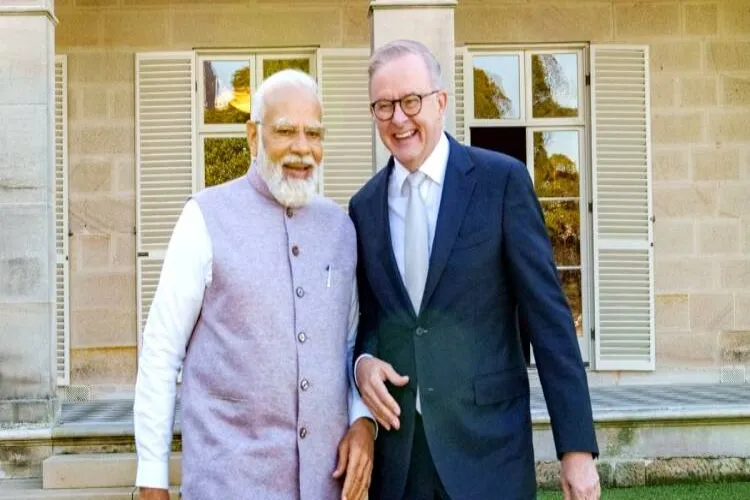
(98, 470)
(31, 489)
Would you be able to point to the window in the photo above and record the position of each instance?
(530, 104)
(225, 90)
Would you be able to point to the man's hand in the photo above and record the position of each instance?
(371, 374)
(355, 454)
(579, 478)
(153, 494)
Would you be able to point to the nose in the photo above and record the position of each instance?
(300, 144)
(399, 116)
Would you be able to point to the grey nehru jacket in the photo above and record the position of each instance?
(265, 384)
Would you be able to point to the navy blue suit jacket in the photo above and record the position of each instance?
(491, 260)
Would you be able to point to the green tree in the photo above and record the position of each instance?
(546, 76)
(555, 176)
(490, 101)
(225, 159)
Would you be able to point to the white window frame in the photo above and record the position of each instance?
(581, 119)
(469, 119)
(255, 58)
(580, 123)
(586, 229)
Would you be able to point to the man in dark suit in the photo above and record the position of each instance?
(452, 248)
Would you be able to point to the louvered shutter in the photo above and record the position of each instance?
(460, 133)
(348, 159)
(623, 232)
(62, 266)
(165, 148)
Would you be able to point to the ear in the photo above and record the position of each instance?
(252, 138)
(442, 98)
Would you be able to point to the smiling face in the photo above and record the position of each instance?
(410, 139)
(288, 145)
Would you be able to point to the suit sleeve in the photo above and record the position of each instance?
(547, 317)
(367, 338)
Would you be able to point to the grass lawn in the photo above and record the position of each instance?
(717, 491)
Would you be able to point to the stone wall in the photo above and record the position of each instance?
(101, 38)
(700, 90)
(700, 98)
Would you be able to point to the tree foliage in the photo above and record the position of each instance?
(547, 76)
(225, 159)
(490, 102)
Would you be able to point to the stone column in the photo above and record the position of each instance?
(27, 239)
(427, 21)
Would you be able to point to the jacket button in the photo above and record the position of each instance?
(300, 292)
(303, 433)
(420, 331)
(295, 250)
(304, 385)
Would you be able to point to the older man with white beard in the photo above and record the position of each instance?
(257, 301)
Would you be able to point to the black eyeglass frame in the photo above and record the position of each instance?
(400, 102)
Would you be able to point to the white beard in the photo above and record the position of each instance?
(289, 192)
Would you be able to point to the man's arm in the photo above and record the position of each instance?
(177, 303)
(543, 305)
(545, 310)
(370, 373)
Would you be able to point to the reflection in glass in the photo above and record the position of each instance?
(225, 158)
(571, 285)
(227, 91)
(271, 66)
(554, 79)
(496, 87)
(556, 165)
(563, 221)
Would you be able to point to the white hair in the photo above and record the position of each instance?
(400, 48)
(285, 78)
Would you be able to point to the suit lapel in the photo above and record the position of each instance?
(384, 246)
(458, 187)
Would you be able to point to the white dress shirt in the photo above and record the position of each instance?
(431, 191)
(398, 196)
(185, 275)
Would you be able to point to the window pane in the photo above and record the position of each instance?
(563, 221)
(554, 85)
(271, 66)
(571, 285)
(556, 165)
(225, 159)
(497, 91)
(227, 91)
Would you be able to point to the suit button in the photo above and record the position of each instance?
(303, 433)
(420, 331)
(295, 250)
(300, 292)
(301, 337)
(304, 385)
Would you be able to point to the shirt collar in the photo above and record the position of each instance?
(433, 167)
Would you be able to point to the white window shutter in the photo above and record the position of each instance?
(165, 148)
(62, 265)
(348, 158)
(460, 133)
(623, 229)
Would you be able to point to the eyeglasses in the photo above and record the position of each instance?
(411, 105)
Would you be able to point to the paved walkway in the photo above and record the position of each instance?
(611, 403)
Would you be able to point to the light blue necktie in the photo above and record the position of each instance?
(416, 246)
